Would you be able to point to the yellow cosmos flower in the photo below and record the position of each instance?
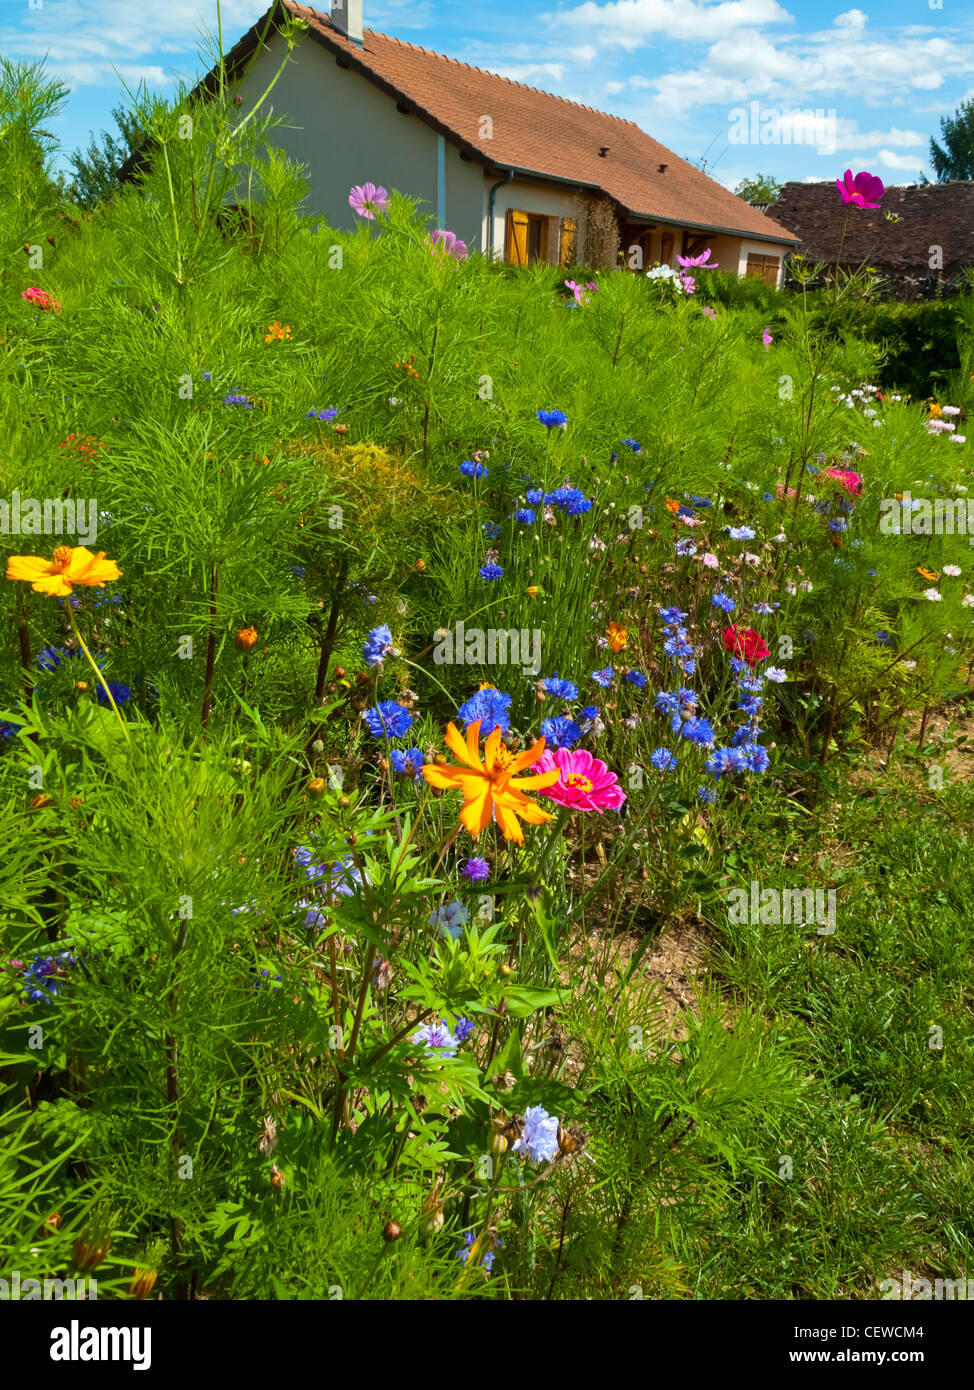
(492, 788)
(71, 566)
(618, 636)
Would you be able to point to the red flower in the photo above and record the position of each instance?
(745, 642)
(865, 190)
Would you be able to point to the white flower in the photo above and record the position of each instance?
(776, 674)
(958, 439)
(952, 570)
(950, 410)
(967, 601)
(933, 595)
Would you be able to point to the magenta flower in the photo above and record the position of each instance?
(766, 339)
(585, 783)
(701, 262)
(41, 299)
(449, 243)
(688, 283)
(706, 309)
(848, 481)
(865, 190)
(367, 200)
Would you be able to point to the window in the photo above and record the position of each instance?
(762, 268)
(527, 238)
(568, 250)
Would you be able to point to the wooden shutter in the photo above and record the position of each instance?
(568, 249)
(762, 268)
(517, 237)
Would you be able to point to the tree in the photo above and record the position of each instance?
(96, 170)
(955, 158)
(761, 189)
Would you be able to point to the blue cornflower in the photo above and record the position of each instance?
(667, 703)
(686, 696)
(570, 499)
(406, 760)
(535, 496)
(603, 677)
(707, 794)
(121, 694)
(539, 1138)
(231, 399)
(663, 759)
(44, 977)
(724, 602)
(751, 704)
(207, 376)
(560, 732)
(388, 719)
(632, 444)
(551, 418)
(559, 687)
(491, 572)
(635, 678)
(492, 707)
(766, 608)
(463, 1028)
(677, 646)
(755, 758)
(685, 548)
(671, 616)
(437, 1038)
(838, 524)
(7, 730)
(741, 533)
(525, 515)
(377, 645)
(491, 530)
(328, 413)
(451, 919)
(724, 762)
(698, 730)
(476, 870)
(314, 918)
(701, 502)
(883, 636)
(472, 469)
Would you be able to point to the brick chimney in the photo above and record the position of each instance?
(346, 15)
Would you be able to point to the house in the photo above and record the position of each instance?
(515, 172)
(920, 238)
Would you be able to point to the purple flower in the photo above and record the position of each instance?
(437, 1038)
(476, 870)
(377, 645)
(603, 677)
(539, 1138)
(366, 199)
(388, 719)
(449, 243)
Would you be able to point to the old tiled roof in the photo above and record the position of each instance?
(538, 133)
(931, 214)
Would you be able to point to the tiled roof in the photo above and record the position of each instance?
(538, 133)
(931, 214)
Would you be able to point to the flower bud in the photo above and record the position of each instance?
(391, 1231)
(142, 1283)
(316, 786)
(277, 1178)
(246, 638)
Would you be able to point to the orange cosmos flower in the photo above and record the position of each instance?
(927, 574)
(618, 636)
(274, 330)
(672, 504)
(71, 566)
(491, 788)
(246, 638)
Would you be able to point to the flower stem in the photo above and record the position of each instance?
(98, 675)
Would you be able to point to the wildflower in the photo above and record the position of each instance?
(741, 533)
(746, 643)
(476, 870)
(766, 339)
(121, 694)
(560, 732)
(451, 919)
(388, 719)
(491, 530)
(927, 574)
(589, 720)
(437, 1039)
(471, 469)
(765, 608)
(850, 483)
(632, 444)
(234, 398)
(377, 645)
(671, 616)
(489, 708)
(473, 1246)
(366, 200)
(325, 415)
(406, 760)
(710, 561)
(933, 595)
(246, 638)
(724, 602)
(584, 783)
(539, 1138)
(463, 1029)
(552, 418)
(724, 762)
(709, 313)
(448, 244)
(663, 759)
(534, 496)
(865, 190)
(491, 789)
(560, 688)
(603, 677)
(491, 572)
(618, 636)
(525, 516)
(70, 566)
(699, 731)
(570, 499)
(952, 570)
(701, 262)
(275, 331)
(776, 674)
(882, 636)
(41, 299)
(635, 678)
(707, 794)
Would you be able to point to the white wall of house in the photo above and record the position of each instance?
(523, 196)
(349, 132)
(760, 248)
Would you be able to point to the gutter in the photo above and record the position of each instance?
(508, 178)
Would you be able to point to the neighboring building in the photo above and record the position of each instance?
(514, 172)
(921, 251)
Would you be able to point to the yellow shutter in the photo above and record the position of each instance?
(568, 250)
(517, 237)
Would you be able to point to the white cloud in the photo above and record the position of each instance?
(902, 161)
(628, 24)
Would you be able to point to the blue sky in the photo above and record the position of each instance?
(687, 71)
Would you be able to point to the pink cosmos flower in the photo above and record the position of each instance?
(367, 200)
(578, 291)
(449, 243)
(688, 283)
(710, 560)
(706, 309)
(766, 339)
(865, 190)
(701, 262)
(848, 482)
(585, 784)
(41, 299)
